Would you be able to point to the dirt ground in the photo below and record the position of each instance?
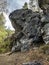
(20, 57)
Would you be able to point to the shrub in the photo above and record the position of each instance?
(44, 49)
(4, 46)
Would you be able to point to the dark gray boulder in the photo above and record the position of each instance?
(29, 26)
(27, 22)
(45, 27)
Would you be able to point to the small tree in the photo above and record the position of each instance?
(25, 5)
(2, 21)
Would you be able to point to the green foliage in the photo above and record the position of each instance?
(4, 33)
(2, 50)
(2, 28)
(25, 6)
(4, 47)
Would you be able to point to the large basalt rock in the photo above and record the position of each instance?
(29, 26)
(45, 23)
(27, 22)
(38, 5)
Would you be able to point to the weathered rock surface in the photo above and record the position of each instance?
(29, 26)
(38, 5)
(27, 22)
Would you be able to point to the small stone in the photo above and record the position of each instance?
(32, 63)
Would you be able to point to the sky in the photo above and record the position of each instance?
(13, 5)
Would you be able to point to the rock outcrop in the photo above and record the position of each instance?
(30, 28)
(43, 3)
(38, 5)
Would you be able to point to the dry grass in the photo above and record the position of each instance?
(19, 58)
